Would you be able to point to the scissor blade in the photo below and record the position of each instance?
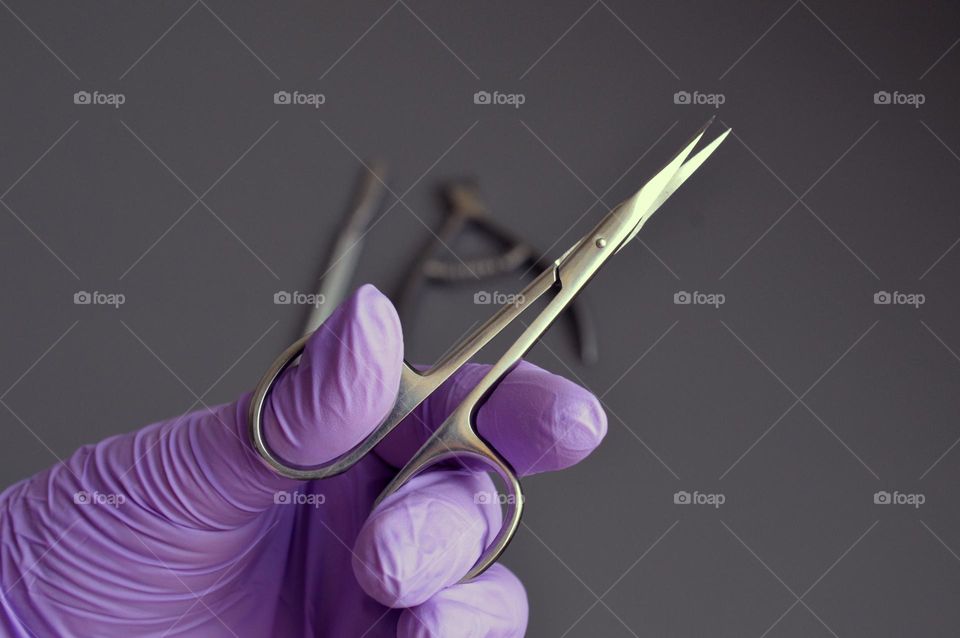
(637, 208)
(686, 170)
(633, 212)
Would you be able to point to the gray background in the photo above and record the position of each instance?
(797, 399)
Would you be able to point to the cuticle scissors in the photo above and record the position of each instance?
(457, 437)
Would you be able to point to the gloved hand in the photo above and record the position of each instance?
(179, 529)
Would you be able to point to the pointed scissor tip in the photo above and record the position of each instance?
(700, 132)
(705, 126)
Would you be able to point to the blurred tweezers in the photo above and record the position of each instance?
(340, 267)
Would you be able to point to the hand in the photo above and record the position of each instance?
(179, 529)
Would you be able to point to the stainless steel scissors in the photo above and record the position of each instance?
(457, 438)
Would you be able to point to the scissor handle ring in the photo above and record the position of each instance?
(511, 521)
(414, 388)
(456, 439)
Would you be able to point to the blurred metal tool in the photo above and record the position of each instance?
(338, 271)
(466, 210)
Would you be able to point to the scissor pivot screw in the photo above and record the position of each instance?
(601, 242)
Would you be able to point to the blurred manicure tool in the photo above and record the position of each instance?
(466, 211)
(339, 269)
(457, 439)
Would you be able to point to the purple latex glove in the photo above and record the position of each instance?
(180, 529)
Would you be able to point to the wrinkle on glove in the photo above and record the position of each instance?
(431, 530)
(493, 605)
